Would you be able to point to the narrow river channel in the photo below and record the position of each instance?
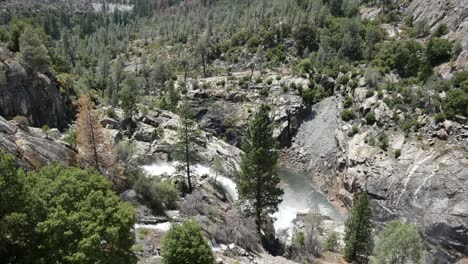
(300, 195)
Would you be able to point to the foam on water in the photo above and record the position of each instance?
(159, 169)
(161, 227)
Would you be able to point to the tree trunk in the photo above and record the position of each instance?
(259, 206)
(187, 160)
(204, 65)
(93, 139)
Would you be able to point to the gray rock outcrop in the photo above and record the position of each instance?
(425, 184)
(453, 13)
(33, 95)
(32, 147)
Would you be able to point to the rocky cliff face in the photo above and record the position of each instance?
(224, 108)
(32, 147)
(35, 96)
(426, 183)
(453, 13)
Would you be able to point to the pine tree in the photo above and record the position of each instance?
(202, 49)
(186, 147)
(33, 51)
(93, 143)
(358, 231)
(258, 177)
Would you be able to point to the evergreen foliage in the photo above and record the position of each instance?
(259, 181)
(188, 132)
(33, 52)
(358, 231)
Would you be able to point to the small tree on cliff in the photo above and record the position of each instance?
(258, 177)
(358, 231)
(33, 51)
(93, 143)
(186, 138)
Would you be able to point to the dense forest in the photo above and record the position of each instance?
(126, 67)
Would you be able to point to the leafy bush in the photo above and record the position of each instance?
(258, 80)
(406, 57)
(370, 118)
(441, 30)
(264, 92)
(293, 86)
(438, 50)
(383, 141)
(305, 65)
(397, 241)
(347, 115)
(397, 153)
(331, 241)
(456, 103)
(269, 81)
(185, 244)
(348, 102)
(159, 195)
(22, 122)
(439, 117)
(343, 80)
(61, 215)
(370, 93)
(354, 130)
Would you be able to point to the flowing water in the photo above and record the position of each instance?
(159, 169)
(300, 196)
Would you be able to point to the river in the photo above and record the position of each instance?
(300, 195)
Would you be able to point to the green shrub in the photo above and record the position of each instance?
(397, 153)
(185, 244)
(293, 86)
(354, 130)
(305, 65)
(278, 78)
(269, 81)
(439, 117)
(438, 50)
(370, 118)
(456, 103)
(383, 141)
(331, 242)
(441, 30)
(285, 89)
(347, 115)
(370, 93)
(22, 122)
(159, 195)
(348, 102)
(264, 92)
(398, 241)
(111, 113)
(258, 80)
(242, 83)
(343, 80)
